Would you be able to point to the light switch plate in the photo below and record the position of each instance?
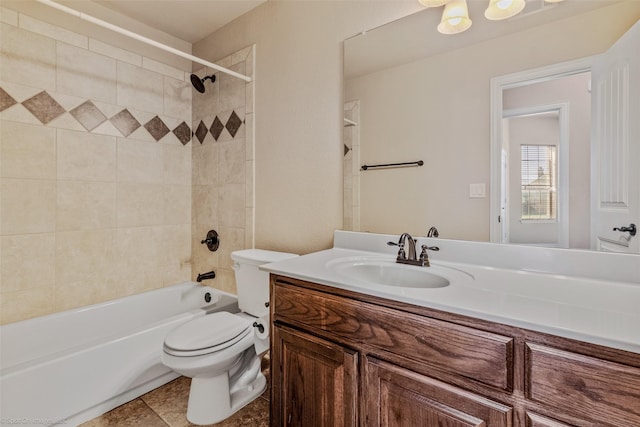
(477, 191)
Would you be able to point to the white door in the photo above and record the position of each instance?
(615, 139)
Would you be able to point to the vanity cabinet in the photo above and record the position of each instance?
(316, 384)
(341, 358)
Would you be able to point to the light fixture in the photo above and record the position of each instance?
(455, 18)
(503, 9)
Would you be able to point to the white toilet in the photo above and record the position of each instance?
(222, 351)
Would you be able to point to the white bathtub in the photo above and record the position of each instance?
(69, 367)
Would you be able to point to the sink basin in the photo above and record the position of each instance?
(389, 273)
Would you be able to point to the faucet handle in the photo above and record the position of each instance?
(400, 245)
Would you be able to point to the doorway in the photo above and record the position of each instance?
(541, 121)
(536, 162)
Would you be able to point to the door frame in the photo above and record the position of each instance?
(563, 167)
(497, 85)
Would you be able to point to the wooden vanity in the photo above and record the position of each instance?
(342, 358)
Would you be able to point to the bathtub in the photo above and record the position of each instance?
(69, 367)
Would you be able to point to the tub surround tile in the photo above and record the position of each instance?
(27, 304)
(140, 161)
(139, 88)
(27, 261)
(27, 58)
(87, 74)
(177, 164)
(8, 16)
(28, 151)
(27, 206)
(232, 197)
(176, 254)
(139, 204)
(82, 258)
(205, 204)
(83, 205)
(115, 52)
(177, 94)
(78, 165)
(177, 204)
(232, 163)
(53, 31)
(232, 89)
(85, 156)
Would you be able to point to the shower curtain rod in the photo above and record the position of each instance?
(143, 39)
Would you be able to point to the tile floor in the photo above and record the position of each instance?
(166, 406)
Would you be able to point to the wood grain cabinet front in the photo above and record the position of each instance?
(314, 382)
(340, 358)
(401, 398)
(583, 386)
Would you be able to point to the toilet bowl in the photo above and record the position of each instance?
(222, 352)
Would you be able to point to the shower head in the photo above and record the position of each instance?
(198, 83)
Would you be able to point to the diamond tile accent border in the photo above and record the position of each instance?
(90, 116)
(44, 107)
(216, 128)
(233, 124)
(201, 132)
(125, 122)
(183, 133)
(157, 128)
(6, 100)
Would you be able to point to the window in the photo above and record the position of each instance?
(538, 166)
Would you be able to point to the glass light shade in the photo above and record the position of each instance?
(433, 3)
(455, 18)
(503, 9)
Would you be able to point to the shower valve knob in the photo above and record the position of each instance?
(212, 240)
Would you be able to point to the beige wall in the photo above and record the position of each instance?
(450, 132)
(95, 170)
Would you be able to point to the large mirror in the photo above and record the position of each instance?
(414, 95)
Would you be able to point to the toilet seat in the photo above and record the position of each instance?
(207, 334)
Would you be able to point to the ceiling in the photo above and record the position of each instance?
(188, 20)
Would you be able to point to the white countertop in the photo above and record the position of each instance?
(594, 310)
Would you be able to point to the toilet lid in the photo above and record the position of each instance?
(207, 331)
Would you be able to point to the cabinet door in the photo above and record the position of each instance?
(314, 381)
(397, 397)
(534, 420)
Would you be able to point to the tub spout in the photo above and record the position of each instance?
(206, 276)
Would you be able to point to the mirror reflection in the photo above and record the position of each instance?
(413, 94)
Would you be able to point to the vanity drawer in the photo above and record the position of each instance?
(440, 344)
(586, 387)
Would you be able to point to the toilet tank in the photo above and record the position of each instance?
(253, 283)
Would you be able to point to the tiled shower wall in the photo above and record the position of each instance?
(351, 166)
(95, 170)
(223, 165)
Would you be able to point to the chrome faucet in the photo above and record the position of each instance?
(412, 258)
(433, 232)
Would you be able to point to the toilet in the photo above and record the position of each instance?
(222, 352)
